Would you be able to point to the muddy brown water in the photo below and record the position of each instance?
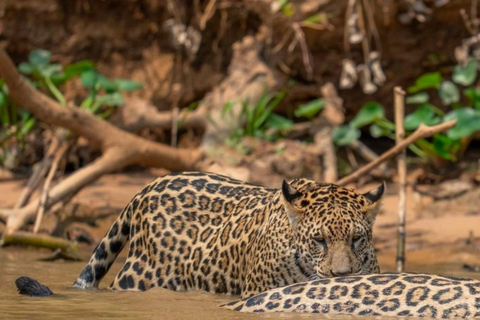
(155, 304)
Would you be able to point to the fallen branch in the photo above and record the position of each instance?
(422, 132)
(61, 148)
(39, 171)
(248, 77)
(69, 250)
(119, 147)
(399, 103)
(367, 154)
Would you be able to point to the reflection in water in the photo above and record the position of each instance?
(158, 304)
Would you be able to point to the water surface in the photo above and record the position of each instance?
(103, 304)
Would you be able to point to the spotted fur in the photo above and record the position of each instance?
(210, 232)
(388, 294)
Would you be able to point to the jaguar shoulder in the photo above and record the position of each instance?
(210, 232)
(401, 295)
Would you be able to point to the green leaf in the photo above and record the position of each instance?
(4, 114)
(48, 70)
(108, 85)
(445, 147)
(266, 107)
(418, 98)
(377, 131)
(424, 114)
(465, 76)
(426, 81)
(316, 18)
(278, 122)
(468, 122)
(39, 58)
(368, 114)
(345, 135)
(89, 100)
(288, 9)
(73, 70)
(3, 99)
(127, 85)
(89, 78)
(112, 100)
(474, 96)
(310, 109)
(25, 68)
(449, 93)
(92, 78)
(28, 125)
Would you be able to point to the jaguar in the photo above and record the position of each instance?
(191, 231)
(386, 294)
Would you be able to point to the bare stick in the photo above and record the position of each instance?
(59, 152)
(300, 36)
(333, 114)
(422, 132)
(39, 170)
(119, 148)
(68, 249)
(399, 103)
(366, 153)
(108, 162)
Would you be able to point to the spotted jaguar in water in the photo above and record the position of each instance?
(210, 232)
(388, 294)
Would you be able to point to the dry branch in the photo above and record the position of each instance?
(61, 148)
(331, 117)
(119, 147)
(39, 171)
(68, 249)
(399, 103)
(422, 132)
(248, 77)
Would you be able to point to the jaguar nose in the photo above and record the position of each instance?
(341, 271)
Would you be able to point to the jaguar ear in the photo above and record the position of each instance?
(290, 197)
(373, 202)
(290, 193)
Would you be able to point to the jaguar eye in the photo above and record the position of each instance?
(320, 241)
(356, 241)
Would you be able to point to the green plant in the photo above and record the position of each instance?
(310, 110)
(258, 120)
(14, 124)
(104, 92)
(103, 95)
(445, 146)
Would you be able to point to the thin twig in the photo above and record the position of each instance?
(351, 158)
(333, 114)
(373, 27)
(423, 131)
(473, 15)
(399, 103)
(39, 170)
(207, 14)
(346, 37)
(59, 152)
(365, 34)
(300, 36)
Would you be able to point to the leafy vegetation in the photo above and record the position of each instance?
(103, 95)
(258, 119)
(447, 146)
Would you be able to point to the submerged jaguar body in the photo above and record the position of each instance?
(207, 231)
(402, 295)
